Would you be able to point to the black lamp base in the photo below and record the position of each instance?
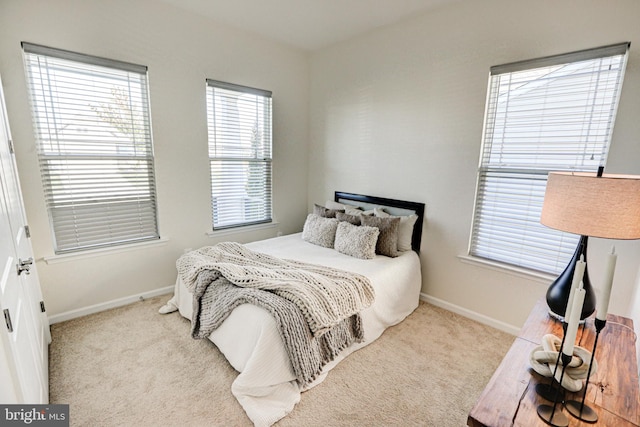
(561, 318)
(558, 292)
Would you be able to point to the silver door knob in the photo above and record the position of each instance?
(24, 266)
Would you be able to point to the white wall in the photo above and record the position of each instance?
(398, 113)
(635, 314)
(181, 51)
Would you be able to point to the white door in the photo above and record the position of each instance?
(24, 328)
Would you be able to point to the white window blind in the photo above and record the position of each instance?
(239, 123)
(93, 132)
(549, 114)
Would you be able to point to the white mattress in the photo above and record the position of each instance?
(249, 338)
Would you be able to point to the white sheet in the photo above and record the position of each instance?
(249, 338)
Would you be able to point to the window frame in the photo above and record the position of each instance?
(552, 260)
(119, 206)
(220, 145)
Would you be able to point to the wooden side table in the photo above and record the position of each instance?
(510, 399)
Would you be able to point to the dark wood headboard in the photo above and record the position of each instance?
(394, 207)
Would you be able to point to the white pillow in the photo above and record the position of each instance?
(405, 230)
(356, 241)
(379, 212)
(320, 231)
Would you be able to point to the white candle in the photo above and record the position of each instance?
(605, 294)
(578, 274)
(572, 327)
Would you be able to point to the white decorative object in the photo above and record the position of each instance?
(602, 305)
(572, 328)
(577, 282)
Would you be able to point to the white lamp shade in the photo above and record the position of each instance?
(588, 205)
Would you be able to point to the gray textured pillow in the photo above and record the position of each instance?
(351, 219)
(324, 212)
(320, 231)
(405, 229)
(356, 241)
(350, 209)
(388, 238)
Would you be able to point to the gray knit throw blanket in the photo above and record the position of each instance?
(325, 295)
(215, 296)
(308, 355)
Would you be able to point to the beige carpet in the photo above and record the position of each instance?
(131, 366)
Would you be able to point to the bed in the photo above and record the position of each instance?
(266, 386)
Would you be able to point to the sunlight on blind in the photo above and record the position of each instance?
(92, 127)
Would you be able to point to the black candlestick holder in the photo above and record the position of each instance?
(549, 391)
(579, 409)
(548, 413)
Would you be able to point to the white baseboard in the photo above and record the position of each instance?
(68, 315)
(505, 327)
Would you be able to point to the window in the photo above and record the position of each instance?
(93, 134)
(239, 122)
(549, 114)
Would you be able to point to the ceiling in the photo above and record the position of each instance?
(308, 24)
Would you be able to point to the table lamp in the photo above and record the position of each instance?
(590, 205)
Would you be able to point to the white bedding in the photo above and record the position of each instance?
(249, 338)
